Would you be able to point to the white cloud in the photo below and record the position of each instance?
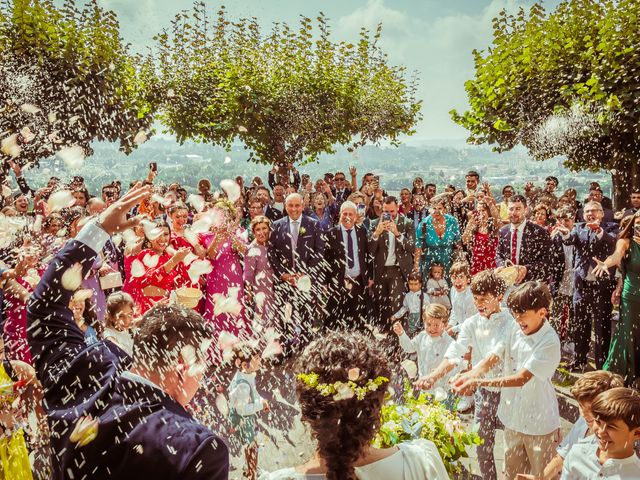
(438, 47)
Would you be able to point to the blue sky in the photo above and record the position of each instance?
(433, 37)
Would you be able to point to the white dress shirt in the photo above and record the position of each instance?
(391, 254)
(462, 307)
(577, 433)
(430, 351)
(355, 271)
(485, 336)
(533, 408)
(582, 463)
(411, 303)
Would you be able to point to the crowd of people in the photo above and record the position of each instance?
(119, 302)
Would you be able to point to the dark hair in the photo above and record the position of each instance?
(487, 282)
(566, 212)
(508, 186)
(626, 226)
(72, 214)
(553, 179)
(473, 173)
(161, 224)
(115, 302)
(164, 331)
(85, 192)
(415, 276)
(532, 295)
(342, 428)
(517, 198)
(618, 404)
(389, 200)
(244, 352)
(430, 185)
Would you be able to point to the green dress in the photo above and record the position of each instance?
(624, 353)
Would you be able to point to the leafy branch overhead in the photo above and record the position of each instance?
(66, 79)
(288, 94)
(564, 83)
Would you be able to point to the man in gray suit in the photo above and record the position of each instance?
(391, 245)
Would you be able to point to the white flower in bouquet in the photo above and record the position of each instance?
(304, 283)
(410, 367)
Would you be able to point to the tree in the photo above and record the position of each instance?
(66, 79)
(287, 96)
(566, 83)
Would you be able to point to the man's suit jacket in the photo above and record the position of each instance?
(534, 250)
(335, 253)
(272, 213)
(143, 432)
(309, 248)
(379, 248)
(587, 246)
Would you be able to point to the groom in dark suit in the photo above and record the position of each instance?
(348, 271)
(135, 407)
(524, 244)
(591, 294)
(295, 250)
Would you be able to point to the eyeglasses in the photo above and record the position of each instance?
(339, 179)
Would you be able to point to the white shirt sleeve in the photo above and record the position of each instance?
(459, 347)
(408, 345)
(240, 400)
(544, 360)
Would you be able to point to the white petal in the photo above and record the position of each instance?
(191, 236)
(60, 199)
(200, 267)
(227, 159)
(273, 348)
(140, 137)
(242, 129)
(9, 146)
(253, 252)
(29, 108)
(231, 188)
(51, 117)
(304, 283)
(260, 296)
(27, 134)
(189, 258)
(129, 236)
(410, 367)
(73, 157)
(227, 340)
(72, 277)
(137, 268)
(196, 201)
(222, 405)
(440, 394)
(151, 261)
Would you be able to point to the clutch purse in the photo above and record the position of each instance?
(111, 280)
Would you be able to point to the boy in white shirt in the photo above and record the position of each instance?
(462, 306)
(584, 391)
(485, 332)
(430, 344)
(528, 404)
(616, 415)
(413, 304)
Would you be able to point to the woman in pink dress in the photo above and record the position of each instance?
(225, 244)
(481, 237)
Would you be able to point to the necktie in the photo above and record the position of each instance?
(350, 260)
(295, 229)
(514, 246)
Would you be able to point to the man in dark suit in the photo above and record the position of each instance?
(591, 295)
(348, 271)
(523, 243)
(596, 195)
(391, 245)
(295, 250)
(269, 211)
(137, 405)
(635, 204)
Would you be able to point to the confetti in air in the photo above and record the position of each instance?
(231, 188)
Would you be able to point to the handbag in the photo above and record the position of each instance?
(111, 280)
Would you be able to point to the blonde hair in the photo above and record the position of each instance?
(435, 310)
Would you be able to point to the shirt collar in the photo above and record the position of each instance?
(520, 227)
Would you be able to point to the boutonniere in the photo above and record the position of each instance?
(302, 230)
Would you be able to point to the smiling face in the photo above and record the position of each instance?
(21, 204)
(438, 210)
(487, 304)
(261, 233)
(122, 320)
(405, 196)
(530, 321)
(460, 282)
(81, 199)
(294, 207)
(472, 182)
(517, 212)
(77, 308)
(593, 213)
(179, 218)
(615, 437)
(319, 201)
(434, 326)
(160, 244)
(540, 217)
(348, 217)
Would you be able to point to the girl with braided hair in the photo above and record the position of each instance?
(342, 380)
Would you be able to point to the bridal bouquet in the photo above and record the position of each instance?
(423, 417)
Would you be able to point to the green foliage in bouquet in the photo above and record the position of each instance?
(423, 417)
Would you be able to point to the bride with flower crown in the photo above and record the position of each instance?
(342, 380)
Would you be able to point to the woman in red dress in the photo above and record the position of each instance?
(481, 237)
(158, 268)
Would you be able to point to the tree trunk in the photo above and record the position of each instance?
(625, 180)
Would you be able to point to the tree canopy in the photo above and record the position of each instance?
(565, 83)
(66, 79)
(289, 94)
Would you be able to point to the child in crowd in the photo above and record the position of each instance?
(437, 286)
(118, 321)
(528, 405)
(486, 332)
(616, 424)
(585, 390)
(245, 403)
(462, 306)
(414, 302)
(84, 314)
